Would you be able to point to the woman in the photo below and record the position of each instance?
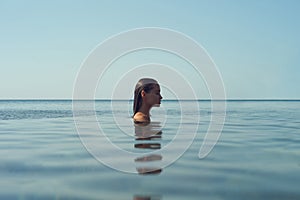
(146, 95)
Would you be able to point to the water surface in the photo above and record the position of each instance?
(256, 157)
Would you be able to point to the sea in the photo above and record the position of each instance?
(50, 151)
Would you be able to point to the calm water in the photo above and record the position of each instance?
(256, 157)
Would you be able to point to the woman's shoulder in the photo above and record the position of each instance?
(140, 117)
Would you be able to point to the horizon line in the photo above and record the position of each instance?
(104, 99)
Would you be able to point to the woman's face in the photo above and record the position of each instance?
(153, 97)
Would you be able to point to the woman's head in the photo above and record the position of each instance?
(147, 91)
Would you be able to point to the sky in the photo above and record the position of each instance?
(254, 44)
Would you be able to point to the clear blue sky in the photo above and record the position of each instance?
(255, 44)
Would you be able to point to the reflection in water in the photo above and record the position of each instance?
(145, 134)
(148, 170)
(148, 145)
(151, 157)
(145, 197)
(147, 131)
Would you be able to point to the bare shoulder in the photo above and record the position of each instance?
(140, 117)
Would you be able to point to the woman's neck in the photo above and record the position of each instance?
(145, 110)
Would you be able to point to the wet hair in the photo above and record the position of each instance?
(146, 84)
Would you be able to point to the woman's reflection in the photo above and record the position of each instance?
(147, 136)
(146, 197)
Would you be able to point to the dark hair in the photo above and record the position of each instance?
(146, 84)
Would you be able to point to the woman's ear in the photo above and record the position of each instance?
(143, 93)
